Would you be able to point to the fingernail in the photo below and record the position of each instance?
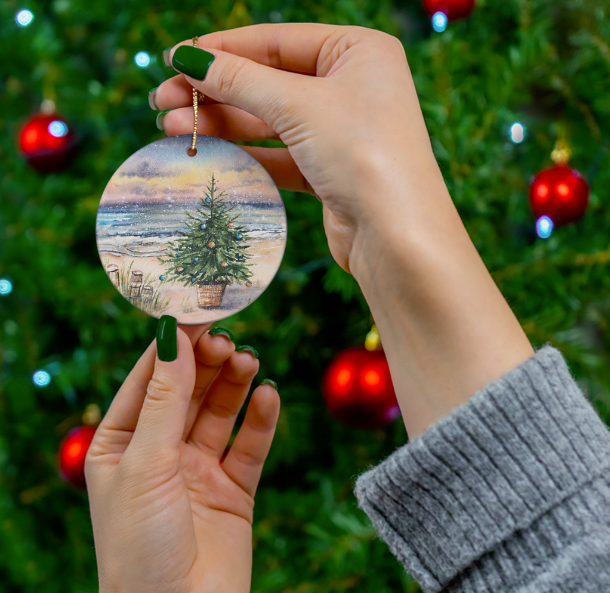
(222, 332)
(166, 59)
(192, 61)
(151, 99)
(160, 117)
(270, 382)
(247, 349)
(167, 338)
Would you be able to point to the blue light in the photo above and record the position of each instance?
(6, 286)
(517, 133)
(58, 129)
(24, 18)
(439, 21)
(544, 227)
(142, 59)
(41, 378)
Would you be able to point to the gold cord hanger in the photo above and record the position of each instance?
(197, 96)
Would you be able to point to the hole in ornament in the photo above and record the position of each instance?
(191, 151)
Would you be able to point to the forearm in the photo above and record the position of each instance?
(446, 329)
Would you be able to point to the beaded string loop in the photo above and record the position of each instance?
(197, 96)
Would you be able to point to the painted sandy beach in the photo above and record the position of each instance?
(144, 209)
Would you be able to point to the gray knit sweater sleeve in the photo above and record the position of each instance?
(510, 492)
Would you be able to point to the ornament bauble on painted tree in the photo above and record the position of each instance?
(559, 192)
(74, 447)
(452, 9)
(47, 143)
(358, 387)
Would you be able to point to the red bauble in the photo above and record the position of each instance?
(454, 9)
(47, 143)
(560, 193)
(358, 389)
(72, 453)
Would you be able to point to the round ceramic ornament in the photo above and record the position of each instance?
(196, 237)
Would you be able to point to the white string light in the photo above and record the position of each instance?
(24, 18)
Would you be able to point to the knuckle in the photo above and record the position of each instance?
(249, 458)
(232, 77)
(392, 43)
(158, 393)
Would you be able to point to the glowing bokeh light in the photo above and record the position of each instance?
(542, 190)
(58, 129)
(74, 449)
(41, 378)
(544, 227)
(142, 59)
(563, 190)
(517, 133)
(24, 18)
(392, 413)
(439, 21)
(343, 377)
(6, 286)
(372, 378)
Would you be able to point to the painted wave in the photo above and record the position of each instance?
(145, 232)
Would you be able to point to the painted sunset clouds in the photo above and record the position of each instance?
(166, 171)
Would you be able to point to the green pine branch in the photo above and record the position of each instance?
(214, 248)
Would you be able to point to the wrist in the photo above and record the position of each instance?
(446, 329)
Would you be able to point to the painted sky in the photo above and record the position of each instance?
(163, 170)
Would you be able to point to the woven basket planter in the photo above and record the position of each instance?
(210, 295)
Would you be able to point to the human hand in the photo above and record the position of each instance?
(342, 99)
(167, 517)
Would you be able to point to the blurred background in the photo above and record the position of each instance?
(501, 84)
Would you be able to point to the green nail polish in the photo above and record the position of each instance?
(270, 382)
(167, 338)
(192, 61)
(166, 59)
(160, 117)
(247, 349)
(151, 99)
(223, 332)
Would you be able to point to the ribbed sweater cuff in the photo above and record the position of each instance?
(516, 449)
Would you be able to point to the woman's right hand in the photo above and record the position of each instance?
(342, 100)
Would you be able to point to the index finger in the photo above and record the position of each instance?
(286, 46)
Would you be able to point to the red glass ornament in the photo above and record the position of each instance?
(358, 389)
(561, 193)
(72, 453)
(454, 9)
(47, 143)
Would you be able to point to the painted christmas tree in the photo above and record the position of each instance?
(212, 253)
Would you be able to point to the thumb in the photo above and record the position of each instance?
(260, 90)
(164, 410)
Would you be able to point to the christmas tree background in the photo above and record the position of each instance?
(543, 63)
(213, 249)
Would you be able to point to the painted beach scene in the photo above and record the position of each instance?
(198, 238)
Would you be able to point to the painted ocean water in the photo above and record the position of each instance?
(144, 230)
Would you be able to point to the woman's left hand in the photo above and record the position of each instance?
(167, 516)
